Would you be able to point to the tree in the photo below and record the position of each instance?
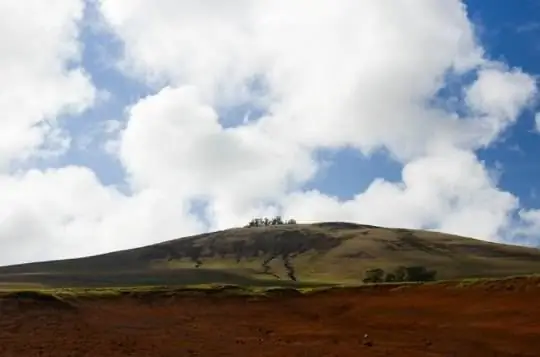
(414, 273)
(420, 273)
(255, 222)
(390, 278)
(374, 276)
(265, 222)
(401, 273)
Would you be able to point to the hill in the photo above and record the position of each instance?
(331, 252)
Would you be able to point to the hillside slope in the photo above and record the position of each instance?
(323, 252)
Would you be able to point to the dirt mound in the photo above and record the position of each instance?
(283, 292)
(515, 284)
(159, 296)
(33, 300)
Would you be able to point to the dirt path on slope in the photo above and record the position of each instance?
(501, 319)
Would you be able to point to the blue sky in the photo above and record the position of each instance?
(100, 53)
(512, 33)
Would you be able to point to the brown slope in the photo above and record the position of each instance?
(323, 252)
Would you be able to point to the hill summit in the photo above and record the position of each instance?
(328, 252)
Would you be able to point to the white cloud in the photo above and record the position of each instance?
(67, 212)
(451, 193)
(174, 141)
(498, 96)
(537, 121)
(335, 73)
(500, 93)
(526, 228)
(37, 40)
(336, 64)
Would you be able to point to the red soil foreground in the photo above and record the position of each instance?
(489, 319)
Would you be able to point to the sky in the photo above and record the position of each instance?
(126, 123)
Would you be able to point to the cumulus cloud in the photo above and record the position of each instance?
(525, 227)
(37, 41)
(325, 66)
(174, 141)
(325, 74)
(451, 192)
(498, 96)
(68, 212)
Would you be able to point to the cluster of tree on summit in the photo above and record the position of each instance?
(265, 222)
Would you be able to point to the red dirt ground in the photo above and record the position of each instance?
(490, 319)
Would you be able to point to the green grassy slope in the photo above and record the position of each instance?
(317, 253)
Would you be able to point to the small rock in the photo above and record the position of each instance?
(366, 341)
